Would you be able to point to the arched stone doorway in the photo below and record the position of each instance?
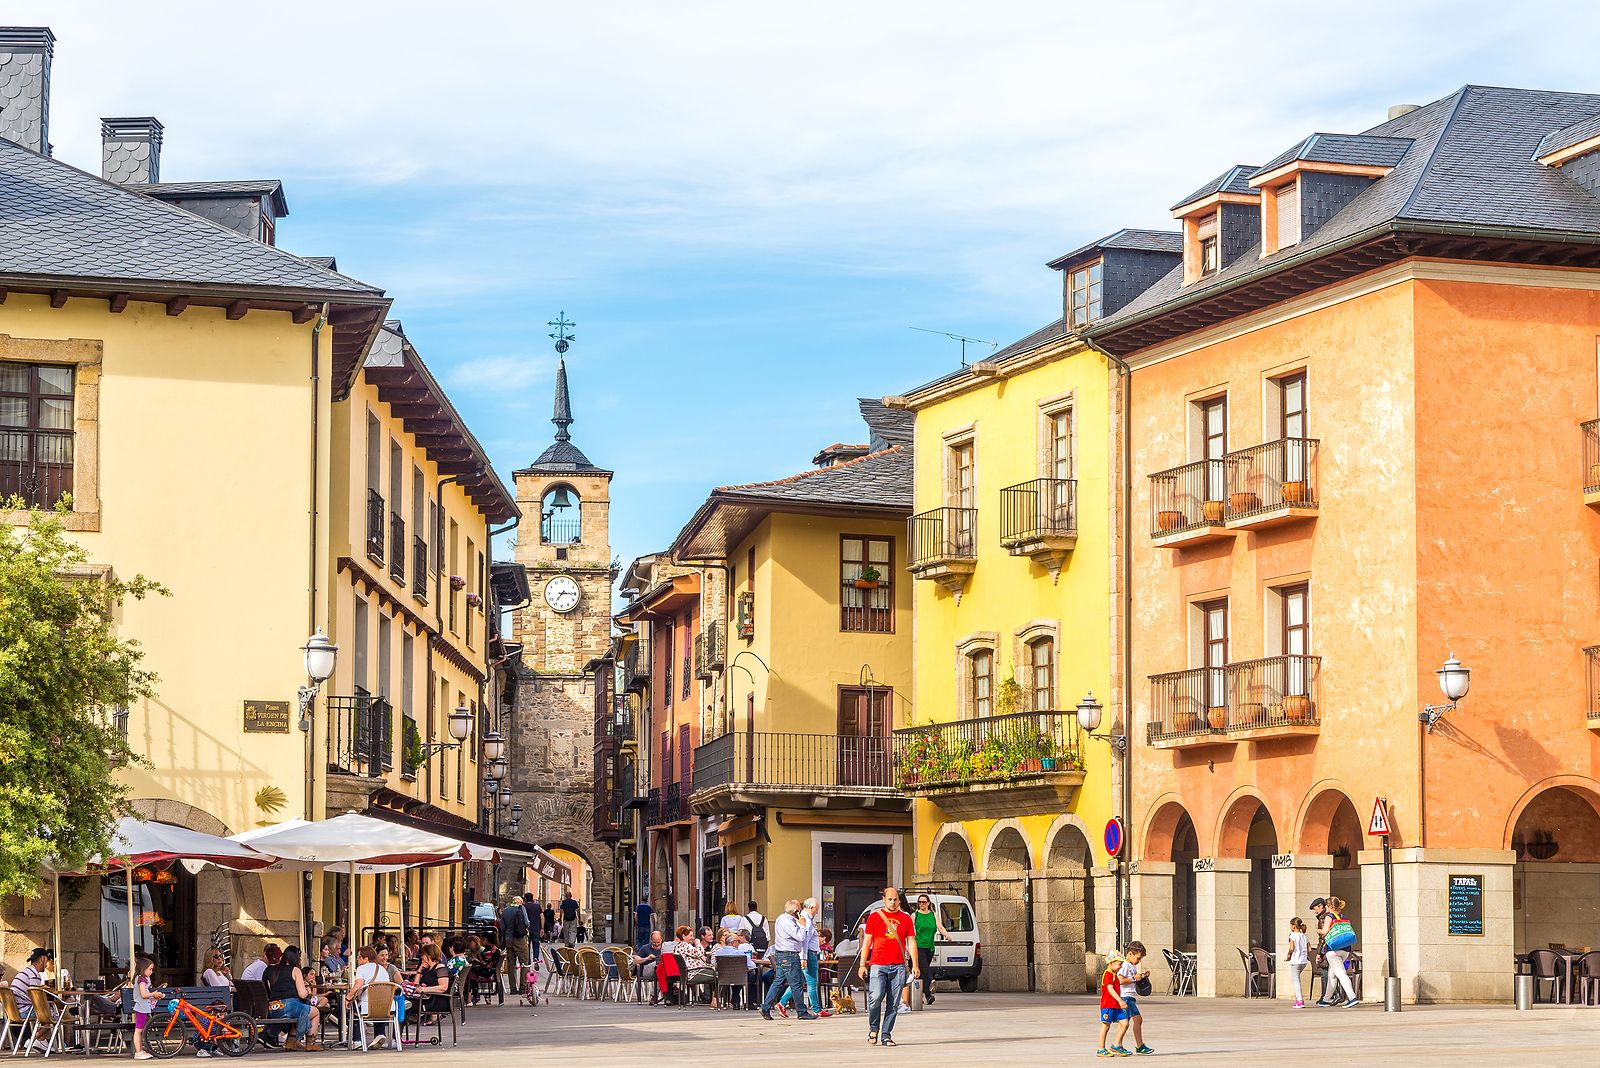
(1555, 837)
(952, 865)
(1331, 839)
(1001, 900)
(593, 885)
(1235, 907)
(1248, 833)
(1063, 911)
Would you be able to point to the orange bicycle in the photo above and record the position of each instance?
(182, 1021)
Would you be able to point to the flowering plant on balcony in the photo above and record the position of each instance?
(1005, 752)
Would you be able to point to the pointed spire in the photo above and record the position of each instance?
(563, 417)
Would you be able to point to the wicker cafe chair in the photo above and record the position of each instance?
(591, 973)
(552, 967)
(733, 974)
(571, 975)
(627, 982)
(382, 1011)
(49, 1014)
(16, 1025)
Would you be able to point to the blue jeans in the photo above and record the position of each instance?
(787, 964)
(811, 984)
(883, 997)
(298, 1011)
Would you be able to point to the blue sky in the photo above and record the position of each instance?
(744, 207)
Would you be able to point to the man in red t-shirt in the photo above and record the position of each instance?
(889, 942)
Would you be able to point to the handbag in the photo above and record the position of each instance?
(1340, 936)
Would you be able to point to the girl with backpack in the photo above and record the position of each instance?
(1338, 936)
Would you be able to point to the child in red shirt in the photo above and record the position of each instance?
(1113, 1010)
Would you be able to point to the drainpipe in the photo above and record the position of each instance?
(1124, 889)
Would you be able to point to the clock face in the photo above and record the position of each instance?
(561, 593)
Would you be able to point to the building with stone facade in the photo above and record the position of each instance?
(563, 543)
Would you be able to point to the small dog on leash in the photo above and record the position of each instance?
(843, 1003)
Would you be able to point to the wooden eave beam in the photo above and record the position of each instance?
(237, 309)
(118, 303)
(303, 314)
(176, 305)
(58, 298)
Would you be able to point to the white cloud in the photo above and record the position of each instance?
(500, 374)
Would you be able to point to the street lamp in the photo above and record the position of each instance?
(1089, 711)
(498, 767)
(1454, 682)
(320, 656)
(505, 796)
(459, 724)
(494, 746)
(516, 813)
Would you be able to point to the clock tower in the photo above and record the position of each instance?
(563, 541)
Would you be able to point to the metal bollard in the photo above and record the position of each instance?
(1523, 991)
(1391, 993)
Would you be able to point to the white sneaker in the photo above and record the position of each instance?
(142, 1056)
(202, 1053)
(378, 1041)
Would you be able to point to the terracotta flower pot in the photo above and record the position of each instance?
(1294, 492)
(1250, 714)
(1297, 708)
(1185, 722)
(866, 584)
(1244, 502)
(1594, 475)
(1169, 519)
(1217, 718)
(1213, 511)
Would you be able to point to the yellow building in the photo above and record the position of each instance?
(414, 499)
(793, 778)
(1011, 549)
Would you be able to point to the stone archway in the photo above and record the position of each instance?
(1063, 910)
(952, 863)
(601, 901)
(1326, 858)
(1555, 836)
(1000, 899)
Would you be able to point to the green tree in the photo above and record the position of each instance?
(63, 672)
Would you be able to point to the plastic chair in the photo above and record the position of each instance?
(1586, 973)
(1265, 970)
(16, 1025)
(1547, 968)
(732, 974)
(382, 1011)
(47, 1013)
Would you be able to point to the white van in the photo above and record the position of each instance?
(958, 957)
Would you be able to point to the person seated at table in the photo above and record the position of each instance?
(485, 969)
(270, 955)
(698, 971)
(728, 946)
(215, 974)
(825, 942)
(331, 966)
(384, 959)
(287, 985)
(369, 971)
(647, 960)
(432, 984)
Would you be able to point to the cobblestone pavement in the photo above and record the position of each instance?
(1013, 1029)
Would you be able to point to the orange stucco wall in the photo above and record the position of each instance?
(1451, 519)
(1358, 554)
(1506, 551)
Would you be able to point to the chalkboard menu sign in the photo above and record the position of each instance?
(1466, 905)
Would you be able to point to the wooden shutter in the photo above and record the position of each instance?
(1289, 214)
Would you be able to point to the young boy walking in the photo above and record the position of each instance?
(1113, 1009)
(1129, 974)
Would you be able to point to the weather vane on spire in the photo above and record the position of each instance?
(563, 335)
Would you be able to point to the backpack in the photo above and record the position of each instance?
(515, 921)
(758, 936)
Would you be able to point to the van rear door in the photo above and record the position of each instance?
(957, 951)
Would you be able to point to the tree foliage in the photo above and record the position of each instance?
(63, 674)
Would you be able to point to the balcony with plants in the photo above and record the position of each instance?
(742, 769)
(1272, 484)
(1591, 703)
(992, 767)
(1188, 504)
(1591, 463)
(1250, 700)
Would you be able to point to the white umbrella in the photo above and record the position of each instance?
(352, 840)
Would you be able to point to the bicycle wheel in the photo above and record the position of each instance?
(159, 1040)
(241, 1022)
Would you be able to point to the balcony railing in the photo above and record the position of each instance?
(1591, 702)
(1043, 508)
(1188, 498)
(397, 548)
(991, 749)
(793, 762)
(1272, 478)
(1591, 461)
(419, 567)
(35, 467)
(375, 513)
(709, 647)
(674, 803)
(636, 666)
(942, 534)
(555, 531)
(1208, 704)
(360, 735)
(652, 808)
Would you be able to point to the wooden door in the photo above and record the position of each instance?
(863, 748)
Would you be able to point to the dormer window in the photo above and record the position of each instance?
(1280, 217)
(1084, 290)
(1210, 249)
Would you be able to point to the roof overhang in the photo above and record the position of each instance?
(1206, 205)
(414, 396)
(979, 375)
(728, 517)
(1571, 152)
(665, 599)
(1302, 166)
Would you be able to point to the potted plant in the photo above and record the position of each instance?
(1295, 491)
(1213, 511)
(1168, 519)
(868, 578)
(474, 600)
(1185, 720)
(457, 582)
(1297, 708)
(1541, 844)
(1217, 717)
(1008, 699)
(1250, 714)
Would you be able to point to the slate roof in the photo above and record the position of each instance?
(1236, 179)
(1356, 149)
(1472, 164)
(59, 222)
(263, 187)
(1568, 136)
(1130, 239)
(889, 426)
(878, 479)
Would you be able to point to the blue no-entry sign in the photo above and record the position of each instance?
(1113, 836)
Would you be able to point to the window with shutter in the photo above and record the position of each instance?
(1288, 198)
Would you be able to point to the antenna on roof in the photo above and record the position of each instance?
(964, 341)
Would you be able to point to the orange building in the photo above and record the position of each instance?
(1359, 444)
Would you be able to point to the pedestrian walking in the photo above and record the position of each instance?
(1298, 956)
(549, 922)
(788, 942)
(889, 941)
(569, 918)
(1131, 974)
(514, 928)
(1113, 1010)
(810, 959)
(1337, 937)
(929, 927)
(643, 913)
(530, 908)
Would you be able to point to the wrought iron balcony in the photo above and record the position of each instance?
(1591, 462)
(636, 666)
(1188, 504)
(36, 467)
(943, 546)
(1188, 708)
(397, 548)
(1591, 704)
(419, 567)
(652, 808)
(375, 513)
(1019, 764)
(709, 651)
(1276, 696)
(1272, 483)
(360, 735)
(744, 768)
(1039, 519)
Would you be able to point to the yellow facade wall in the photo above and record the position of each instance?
(1005, 593)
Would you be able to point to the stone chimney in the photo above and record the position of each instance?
(25, 53)
(130, 150)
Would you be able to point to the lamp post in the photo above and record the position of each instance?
(1089, 713)
(459, 723)
(320, 657)
(1454, 682)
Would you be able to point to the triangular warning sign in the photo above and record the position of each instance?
(1379, 824)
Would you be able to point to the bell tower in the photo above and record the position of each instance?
(563, 540)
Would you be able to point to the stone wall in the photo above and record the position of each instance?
(1059, 922)
(997, 898)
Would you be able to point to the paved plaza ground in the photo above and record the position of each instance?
(1021, 1030)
